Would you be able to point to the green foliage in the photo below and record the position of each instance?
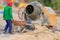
(31, 0)
(55, 4)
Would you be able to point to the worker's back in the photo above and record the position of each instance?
(21, 7)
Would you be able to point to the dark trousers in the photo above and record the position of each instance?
(8, 26)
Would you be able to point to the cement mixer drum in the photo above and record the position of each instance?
(33, 10)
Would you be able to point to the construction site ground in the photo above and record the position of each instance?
(40, 33)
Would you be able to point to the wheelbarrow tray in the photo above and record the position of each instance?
(19, 23)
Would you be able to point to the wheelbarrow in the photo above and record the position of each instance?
(18, 26)
(21, 26)
(19, 23)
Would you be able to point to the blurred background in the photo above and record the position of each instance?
(55, 4)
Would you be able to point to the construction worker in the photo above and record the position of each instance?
(7, 16)
(21, 14)
(51, 16)
(21, 8)
(45, 19)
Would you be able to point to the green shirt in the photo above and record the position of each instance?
(7, 15)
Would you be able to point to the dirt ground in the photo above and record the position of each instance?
(40, 33)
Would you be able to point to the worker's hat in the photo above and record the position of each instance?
(9, 3)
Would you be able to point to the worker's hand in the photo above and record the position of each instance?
(3, 18)
(12, 18)
(20, 18)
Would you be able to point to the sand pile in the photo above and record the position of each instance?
(40, 33)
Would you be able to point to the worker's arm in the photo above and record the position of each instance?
(4, 13)
(11, 13)
(19, 13)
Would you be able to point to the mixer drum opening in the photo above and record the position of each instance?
(29, 9)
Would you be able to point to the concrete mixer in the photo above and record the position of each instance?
(34, 10)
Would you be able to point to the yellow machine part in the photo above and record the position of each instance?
(51, 17)
(12, 1)
(21, 5)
